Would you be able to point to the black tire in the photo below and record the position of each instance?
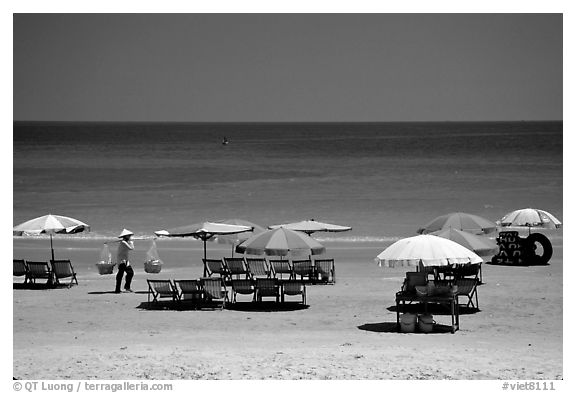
(544, 242)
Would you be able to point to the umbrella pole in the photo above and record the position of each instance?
(205, 271)
(51, 247)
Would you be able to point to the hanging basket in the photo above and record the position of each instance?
(153, 266)
(105, 267)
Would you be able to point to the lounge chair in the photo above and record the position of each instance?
(412, 280)
(281, 267)
(214, 290)
(63, 269)
(20, 269)
(429, 270)
(303, 269)
(267, 287)
(325, 270)
(243, 287)
(38, 270)
(468, 287)
(469, 270)
(189, 290)
(214, 266)
(293, 288)
(258, 267)
(236, 267)
(161, 289)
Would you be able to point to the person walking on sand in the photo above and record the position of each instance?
(126, 245)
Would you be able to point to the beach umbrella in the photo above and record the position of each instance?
(480, 245)
(311, 226)
(461, 221)
(530, 218)
(427, 250)
(50, 224)
(204, 231)
(280, 242)
(237, 238)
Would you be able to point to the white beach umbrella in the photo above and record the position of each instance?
(428, 250)
(311, 226)
(50, 224)
(530, 217)
(237, 238)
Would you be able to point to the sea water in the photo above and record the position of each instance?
(383, 179)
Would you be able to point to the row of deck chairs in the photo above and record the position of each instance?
(214, 289)
(319, 271)
(52, 271)
(470, 270)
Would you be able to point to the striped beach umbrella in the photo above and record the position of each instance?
(530, 217)
(280, 242)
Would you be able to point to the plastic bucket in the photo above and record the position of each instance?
(408, 323)
(425, 323)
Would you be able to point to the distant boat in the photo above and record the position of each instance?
(225, 141)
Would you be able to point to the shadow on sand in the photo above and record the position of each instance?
(114, 293)
(391, 327)
(40, 286)
(239, 306)
(438, 309)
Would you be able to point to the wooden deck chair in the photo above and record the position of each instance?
(161, 289)
(412, 280)
(63, 269)
(20, 268)
(243, 287)
(38, 270)
(189, 290)
(469, 270)
(281, 267)
(294, 288)
(267, 287)
(468, 287)
(214, 290)
(214, 266)
(236, 267)
(325, 270)
(258, 267)
(303, 269)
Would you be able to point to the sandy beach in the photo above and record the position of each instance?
(347, 331)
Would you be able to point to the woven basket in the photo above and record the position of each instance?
(105, 267)
(154, 266)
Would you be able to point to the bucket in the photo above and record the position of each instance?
(105, 267)
(153, 266)
(425, 323)
(408, 323)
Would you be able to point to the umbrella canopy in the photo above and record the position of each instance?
(311, 226)
(50, 224)
(530, 218)
(426, 249)
(480, 245)
(461, 221)
(204, 231)
(280, 242)
(237, 238)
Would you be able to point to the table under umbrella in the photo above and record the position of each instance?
(50, 224)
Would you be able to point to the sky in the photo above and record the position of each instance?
(287, 67)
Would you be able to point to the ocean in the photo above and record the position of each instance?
(383, 179)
